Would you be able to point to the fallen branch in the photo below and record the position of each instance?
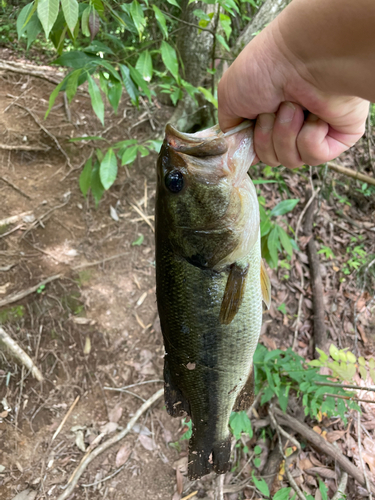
(322, 445)
(15, 297)
(22, 147)
(13, 219)
(340, 493)
(58, 430)
(359, 430)
(320, 333)
(88, 458)
(351, 173)
(29, 69)
(20, 354)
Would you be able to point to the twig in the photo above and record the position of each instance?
(88, 458)
(189, 24)
(280, 431)
(15, 297)
(322, 445)
(350, 398)
(144, 217)
(105, 478)
(220, 487)
(304, 211)
(346, 386)
(57, 432)
(133, 385)
(360, 455)
(340, 493)
(22, 147)
(356, 302)
(15, 187)
(97, 262)
(20, 354)
(368, 134)
(300, 300)
(46, 132)
(320, 334)
(16, 228)
(351, 173)
(67, 108)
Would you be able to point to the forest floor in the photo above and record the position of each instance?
(95, 326)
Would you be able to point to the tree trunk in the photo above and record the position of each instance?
(195, 49)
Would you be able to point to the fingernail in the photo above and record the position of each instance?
(266, 121)
(286, 112)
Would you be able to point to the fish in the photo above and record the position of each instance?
(210, 283)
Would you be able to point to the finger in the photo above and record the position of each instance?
(318, 142)
(263, 142)
(288, 123)
(227, 118)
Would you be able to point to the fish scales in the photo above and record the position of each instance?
(201, 253)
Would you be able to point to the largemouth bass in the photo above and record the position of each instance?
(209, 283)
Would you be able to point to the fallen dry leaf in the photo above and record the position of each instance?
(147, 442)
(28, 494)
(334, 436)
(123, 454)
(108, 427)
(305, 463)
(115, 414)
(322, 472)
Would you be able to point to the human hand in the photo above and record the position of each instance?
(267, 82)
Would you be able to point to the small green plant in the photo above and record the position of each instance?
(41, 289)
(356, 259)
(327, 252)
(274, 238)
(277, 373)
(12, 314)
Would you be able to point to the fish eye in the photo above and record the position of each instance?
(174, 181)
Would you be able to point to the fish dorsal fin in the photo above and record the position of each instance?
(233, 294)
(265, 285)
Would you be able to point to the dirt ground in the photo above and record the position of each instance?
(94, 327)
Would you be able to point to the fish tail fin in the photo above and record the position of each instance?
(206, 455)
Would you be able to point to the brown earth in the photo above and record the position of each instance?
(97, 327)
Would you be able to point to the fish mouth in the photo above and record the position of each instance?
(210, 142)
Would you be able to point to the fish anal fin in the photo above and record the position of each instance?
(206, 455)
(246, 397)
(265, 284)
(233, 294)
(176, 404)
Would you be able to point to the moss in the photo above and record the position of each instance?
(11, 314)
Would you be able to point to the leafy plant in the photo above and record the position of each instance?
(274, 237)
(277, 373)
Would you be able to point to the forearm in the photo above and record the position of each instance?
(332, 43)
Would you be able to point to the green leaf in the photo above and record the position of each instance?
(85, 177)
(52, 97)
(272, 244)
(114, 94)
(138, 17)
(282, 308)
(225, 22)
(33, 28)
(239, 422)
(323, 490)
(24, 16)
(174, 2)
(138, 79)
(97, 188)
(201, 15)
(47, 13)
(161, 21)
(322, 355)
(362, 361)
(129, 84)
(282, 494)
(363, 372)
(176, 95)
(351, 358)
(72, 84)
(96, 99)
(144, 65)
(108, 169)
(222, 41)
(154, 144)
(85, 21)
(98, 4)
(139, 242)
(261, 485)
(76, 59)
(169, 57)
(284, 207)
(257, 450)
(208, 95)
(285, 241)
(70, 10)
(334, 352)
(129, 155)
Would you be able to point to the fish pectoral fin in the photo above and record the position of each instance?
(265, 284)
(234, 292)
